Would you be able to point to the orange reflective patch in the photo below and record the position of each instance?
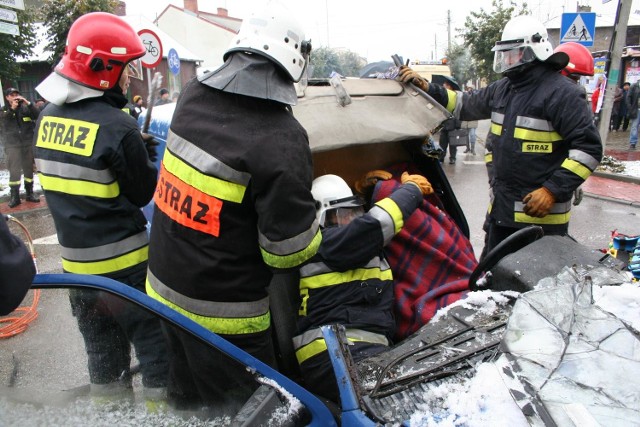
(187, 205)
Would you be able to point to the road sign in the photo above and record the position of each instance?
(174, 61)
(578, 27)
(7, 28)
(8, 15)
(14, 4)
(152, 43)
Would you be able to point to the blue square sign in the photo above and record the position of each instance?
(578, 28)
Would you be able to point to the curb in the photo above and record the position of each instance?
(617, 177)
(611, 199)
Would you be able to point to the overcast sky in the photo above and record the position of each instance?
(414, 29)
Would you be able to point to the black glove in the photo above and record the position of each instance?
(150, 144)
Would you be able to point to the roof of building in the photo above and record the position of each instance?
(137, 22)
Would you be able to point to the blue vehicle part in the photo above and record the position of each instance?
(320, 414)
(159, 129)
(351, 415)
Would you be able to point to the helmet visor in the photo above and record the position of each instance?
(342, 216)
(135, 69)
(504, 60)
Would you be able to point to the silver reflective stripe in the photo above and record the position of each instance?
(353, 334)
(497, 118)
(66, 170)
(209, 308)
(535, 124)
(289, 246)
(557, 208)
(386, 222)
(109, 250)
(584, 158)
(317, 268)
(205, 162)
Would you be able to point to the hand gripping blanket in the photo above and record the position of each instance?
(430, 258)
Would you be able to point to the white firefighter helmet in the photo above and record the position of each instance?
(332, 193)
(276, 34)
(524, 40)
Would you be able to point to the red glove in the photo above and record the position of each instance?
(538, 203)
(407, 75)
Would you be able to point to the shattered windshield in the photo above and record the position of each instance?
(45, 378)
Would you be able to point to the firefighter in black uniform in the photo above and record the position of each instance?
(349, 281)
(18, 118)
(233, 203)
(96, 173)
(546, 145)
(18, 269)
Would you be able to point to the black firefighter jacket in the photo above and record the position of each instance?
(543, 136)
(233, 204)
(18, 125)
(96, 174)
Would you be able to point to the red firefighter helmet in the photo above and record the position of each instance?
(580, 59)
(99, 46)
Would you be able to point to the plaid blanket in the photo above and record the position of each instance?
(430, 258)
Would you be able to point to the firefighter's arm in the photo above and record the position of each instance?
(17, 269)
(572, 120)
(137, 175)
(288, 233)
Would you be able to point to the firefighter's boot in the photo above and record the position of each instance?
(28, 187)
(15, 196)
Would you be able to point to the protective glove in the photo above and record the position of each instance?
(419, 181)
(407, 75)
(370, 179)
(538, 203)
(577, 196)
(150, 144)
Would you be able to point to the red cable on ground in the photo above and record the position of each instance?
(20, 319)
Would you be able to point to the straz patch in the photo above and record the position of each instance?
(187, 205)
(68, 135)
(537, 147)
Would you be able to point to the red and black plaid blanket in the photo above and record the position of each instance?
(431, 261)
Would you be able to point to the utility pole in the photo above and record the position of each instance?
(618, 41)
(449, 31)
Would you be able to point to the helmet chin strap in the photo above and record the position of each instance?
(252, 74)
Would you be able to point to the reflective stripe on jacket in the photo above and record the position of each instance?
(312, 342)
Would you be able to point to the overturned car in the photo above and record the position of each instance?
(524, 348)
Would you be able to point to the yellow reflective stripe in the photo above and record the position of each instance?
(79, 188)
(488, 158)
(338, 278)
(67, 135)
(317, 347)
(295, 259)
(551, 219)
(451, 102)
(396, 214)
(207, 184)
(304, 294)
(27, 119)
(110, 265)
(219, 325)
(537, 135)
(496, 129)
(576, 167)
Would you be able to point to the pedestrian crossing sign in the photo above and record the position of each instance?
(578, 28)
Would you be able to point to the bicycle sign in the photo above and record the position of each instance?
(174, 61)
(152, 44)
